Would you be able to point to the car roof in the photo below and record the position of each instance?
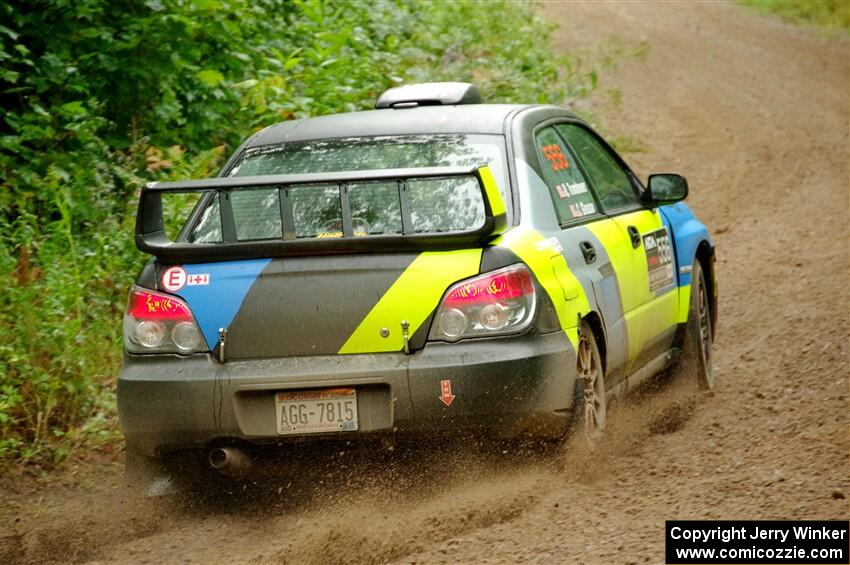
(466, 118)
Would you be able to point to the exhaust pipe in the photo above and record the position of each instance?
(230, 461)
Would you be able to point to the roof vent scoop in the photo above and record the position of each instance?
(429, 94)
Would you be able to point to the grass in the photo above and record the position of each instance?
(830, 14)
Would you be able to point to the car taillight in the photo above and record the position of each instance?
(159, 323)
(495, 303)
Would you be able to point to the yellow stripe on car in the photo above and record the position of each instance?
(494, 198)
(412, 297)
(497, 205)
(640, 305)
(552, 274)
(684, 303)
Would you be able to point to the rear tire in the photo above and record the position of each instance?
(695, 363)
(590, 404)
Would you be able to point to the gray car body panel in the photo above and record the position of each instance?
(318, 303)
(506, 385)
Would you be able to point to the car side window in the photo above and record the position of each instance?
(567, 185)
(612, 184)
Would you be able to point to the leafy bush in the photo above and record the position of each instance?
(100, 96)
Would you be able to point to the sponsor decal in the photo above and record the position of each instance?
(562, 191)
(173, 279)
(659, 259)
(555, 156)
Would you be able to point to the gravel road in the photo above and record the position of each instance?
(755, 112)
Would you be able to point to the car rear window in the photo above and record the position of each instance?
(376, 153)
(435, 204)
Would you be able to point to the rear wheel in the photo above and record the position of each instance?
(590, 405)
(695, 362)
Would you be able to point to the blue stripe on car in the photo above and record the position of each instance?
(216, 303)
(687, 233)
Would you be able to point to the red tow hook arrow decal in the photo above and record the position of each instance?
(446, 388)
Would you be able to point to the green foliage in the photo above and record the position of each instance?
(824, 13)
(99, 96)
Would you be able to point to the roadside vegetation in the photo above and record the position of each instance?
(823, 13)
(99, 97)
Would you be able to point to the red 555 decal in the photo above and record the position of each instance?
(556, 157)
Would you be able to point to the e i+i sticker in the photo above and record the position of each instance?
(175, 278)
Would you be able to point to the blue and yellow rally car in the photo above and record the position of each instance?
(436, 264)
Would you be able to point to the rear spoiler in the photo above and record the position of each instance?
(151, 237)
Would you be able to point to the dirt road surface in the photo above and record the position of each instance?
(755, 112)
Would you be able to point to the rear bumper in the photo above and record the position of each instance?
(504, 385)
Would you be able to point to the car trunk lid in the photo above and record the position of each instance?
(344, 304)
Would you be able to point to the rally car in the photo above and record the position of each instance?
(431, 266)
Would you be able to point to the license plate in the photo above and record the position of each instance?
(316, 411)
